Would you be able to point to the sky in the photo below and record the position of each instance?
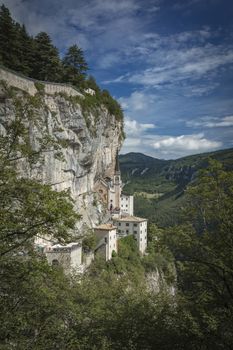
(168, 62)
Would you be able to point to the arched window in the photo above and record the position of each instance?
(55, 262)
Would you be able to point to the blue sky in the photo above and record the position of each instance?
(168, 62)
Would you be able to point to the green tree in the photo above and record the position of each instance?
(203, 250)
(75, 66)
(34, 299)
(26, 51)
(8, 39)
(47, 64)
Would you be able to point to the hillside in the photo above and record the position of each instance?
(159, 185)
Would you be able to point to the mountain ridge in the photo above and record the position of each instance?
(159, 185)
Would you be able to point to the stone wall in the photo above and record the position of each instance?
(27, 84)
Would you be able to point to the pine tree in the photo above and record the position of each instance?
(47, 64)
(75, 66)
(7, 39)
(26, 51)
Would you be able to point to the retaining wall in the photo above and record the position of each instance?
(27, 84)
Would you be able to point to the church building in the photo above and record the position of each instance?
(121, 208)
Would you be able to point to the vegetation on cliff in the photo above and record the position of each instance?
(38, 58)
(110, 307)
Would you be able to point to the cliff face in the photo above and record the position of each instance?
(87, 140)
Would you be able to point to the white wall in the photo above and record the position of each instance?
(142, 236)
(76, 257)
(70, 258)
(127, 205)
(112, 243)
(110, 238)
(137, 229)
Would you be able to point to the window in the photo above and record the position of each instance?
(55, 262)
(119, 231)
(127, 231)
(135, 225)
(127, 224)
(126, 205)
(105, 240)
(135, 232)
(119, 224)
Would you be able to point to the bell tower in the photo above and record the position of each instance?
(117, 183)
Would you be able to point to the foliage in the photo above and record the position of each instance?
(33, 297)
(38, 58)
(203, 250)
(110, 306)
(75, 66)
(8, 39)
(167, 180)
(47, 65)
(40, 87)
(112, 105)
(89, 242)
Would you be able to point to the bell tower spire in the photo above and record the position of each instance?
(117, 183)
(117, 167)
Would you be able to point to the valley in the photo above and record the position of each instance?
(159, 185)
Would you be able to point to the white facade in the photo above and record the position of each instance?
(68, 256)
(135, 226)
(114, 195)
(126, 205)
(90, 91)
(107, 240)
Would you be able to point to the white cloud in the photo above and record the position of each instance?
(194, 143)
(134, 128)
(137, 101)
(170, 147)
(174, 65)
(200, 90)
(96, 25)
(210, 122)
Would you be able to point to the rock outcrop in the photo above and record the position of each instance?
(87, 139)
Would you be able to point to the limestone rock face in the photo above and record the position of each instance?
(155, 283)
(88, 141)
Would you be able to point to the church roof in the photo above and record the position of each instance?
(107, 227)
(130, 219)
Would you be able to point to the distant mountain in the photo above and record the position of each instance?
(159, 184)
